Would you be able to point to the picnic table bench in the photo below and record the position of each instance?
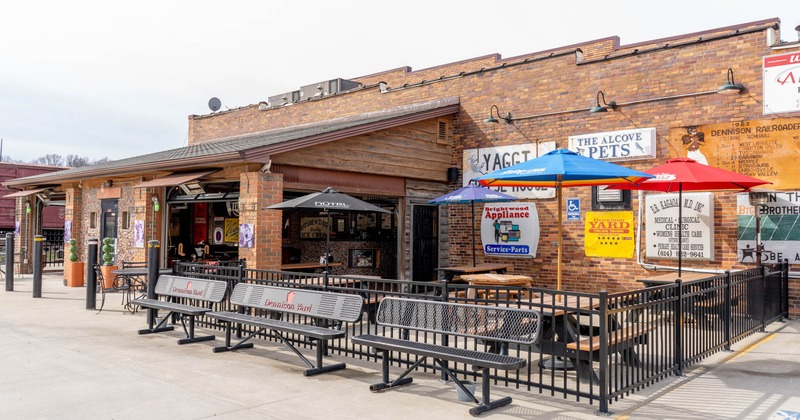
(176, 287)
(324, 307)
(490, 325)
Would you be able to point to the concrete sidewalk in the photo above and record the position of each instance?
(62, 361)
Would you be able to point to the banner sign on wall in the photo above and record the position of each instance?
(764, 149)
(781, 78)
(609, 234)
(510, 229)
(780, 228)
(477, 162)
(696, 226)
(616, 145)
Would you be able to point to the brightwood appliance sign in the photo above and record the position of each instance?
(781, 78)
(510, 229)
(477, 162)
(696, 226)
(616, 145)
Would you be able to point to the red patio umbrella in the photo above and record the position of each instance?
(684, 174)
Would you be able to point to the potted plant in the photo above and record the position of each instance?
(74, 269)
(107, 265)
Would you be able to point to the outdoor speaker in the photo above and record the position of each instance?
(452, 174)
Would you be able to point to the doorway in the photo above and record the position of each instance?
(108, 223)
(425, 242)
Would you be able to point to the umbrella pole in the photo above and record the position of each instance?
(558, 275)
(680, 227)
(327, 241)
(472, 231)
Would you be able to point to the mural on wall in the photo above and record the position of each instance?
(764, 149)
(779, 228)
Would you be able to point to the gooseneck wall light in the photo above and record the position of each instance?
(605, 105)
(494, 120)
(730, 86)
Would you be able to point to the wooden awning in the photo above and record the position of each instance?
(173, 179)
(26, 193)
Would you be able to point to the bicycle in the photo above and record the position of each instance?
(100, 287)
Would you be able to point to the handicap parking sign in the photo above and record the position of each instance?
(573, 209)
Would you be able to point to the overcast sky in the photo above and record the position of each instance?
(118, 79)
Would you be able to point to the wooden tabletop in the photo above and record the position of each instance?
(670, 277)
(499, 279)
(480, 268)
(307, 266)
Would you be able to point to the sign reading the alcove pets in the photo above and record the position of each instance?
(616, 145)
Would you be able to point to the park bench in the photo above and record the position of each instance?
(177, 287)
(324, 308)
(494, 327)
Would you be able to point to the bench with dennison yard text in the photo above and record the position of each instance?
(322, 308)
(491, 328)
(206, 292)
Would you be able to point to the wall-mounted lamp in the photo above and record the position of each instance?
(452, 174)
(731, 86)
(156, 205)
(263, 106)
(27, 208)
(494, 120)
(108, 183)
(604, 107)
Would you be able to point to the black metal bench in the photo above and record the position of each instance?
(495, 327)
(172, 287)
(323, 307)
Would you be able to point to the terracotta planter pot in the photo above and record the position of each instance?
(108, 278)
(73, 272)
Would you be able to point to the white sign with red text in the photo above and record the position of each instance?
(781, 78)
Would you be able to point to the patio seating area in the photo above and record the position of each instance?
(595, 348)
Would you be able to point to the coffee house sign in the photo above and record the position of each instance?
(616, 145)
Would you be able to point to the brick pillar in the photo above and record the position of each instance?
(257, 191)
(144, 209)
(73, 211)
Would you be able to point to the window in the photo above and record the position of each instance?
(603, 199)
(126, 220)
(93, 220)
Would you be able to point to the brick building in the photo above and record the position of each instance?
(393, 137)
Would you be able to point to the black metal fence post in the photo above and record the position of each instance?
(604, 338)
(38, 241)
(9, 262)
(763, 297)
(153, 256)
(728, 317)
(785, 288)
(679, 330)
(91, 274)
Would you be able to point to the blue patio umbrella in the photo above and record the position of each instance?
(562, 168)
(471, 194)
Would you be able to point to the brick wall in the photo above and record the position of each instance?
(556, 89)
